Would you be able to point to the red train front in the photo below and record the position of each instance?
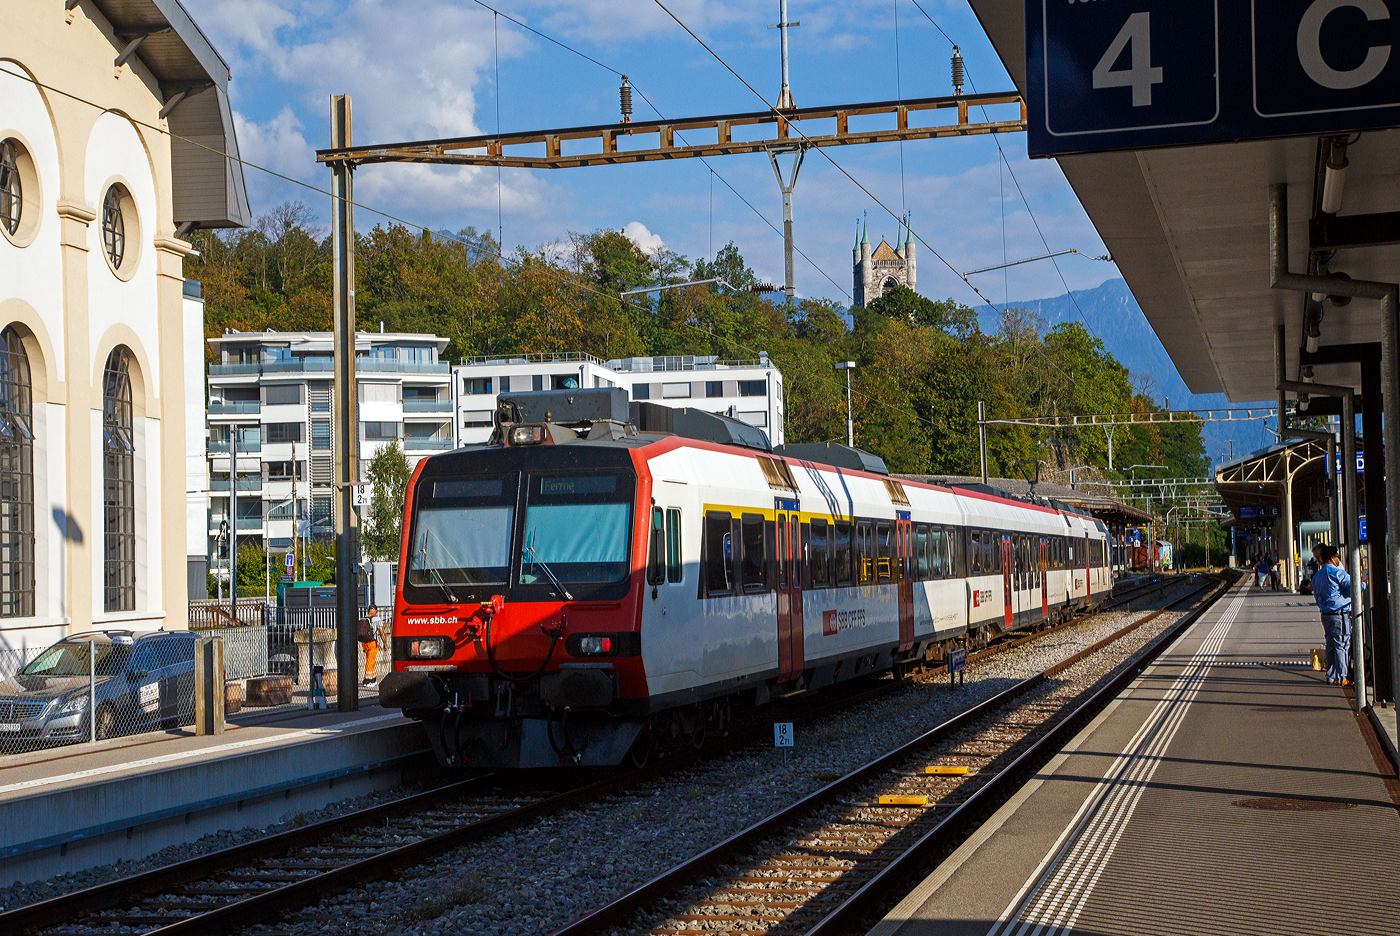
(516, 629)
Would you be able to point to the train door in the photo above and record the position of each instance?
(1008, 565)
(1088, 585)
(791, 655)
(904, 546)
(1044, 583)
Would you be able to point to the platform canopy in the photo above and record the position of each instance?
(1189, 229)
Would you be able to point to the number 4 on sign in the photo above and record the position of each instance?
(1141, 76)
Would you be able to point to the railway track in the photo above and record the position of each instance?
(230, 889)
(836, 856)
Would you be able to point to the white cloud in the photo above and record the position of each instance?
(646, 241)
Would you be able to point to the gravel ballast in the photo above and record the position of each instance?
(538, 878)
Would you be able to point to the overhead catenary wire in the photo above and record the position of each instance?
(680, 136)
(996, 138)
(496, 251)
(822, 150)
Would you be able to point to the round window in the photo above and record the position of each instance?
(19, 193)
(11, 187)
(114, 226)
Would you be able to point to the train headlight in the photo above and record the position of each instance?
(594, 645)
(428, 648)
(527, 435)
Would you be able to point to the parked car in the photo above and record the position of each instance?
(142, 682)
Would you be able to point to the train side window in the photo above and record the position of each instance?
(865, 554)
(993, 543)
(656, 559)
(952, 554)
(884, 565)
(844, 566)
(674, 570)
(937, 567)
(922, 566)
(754, 571)
(817, 554)
(719, 552)
(975, 550)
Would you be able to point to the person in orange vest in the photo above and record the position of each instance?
(369, 641)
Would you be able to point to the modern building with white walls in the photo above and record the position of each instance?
(115, 132)
(270, 399)
(751, 391)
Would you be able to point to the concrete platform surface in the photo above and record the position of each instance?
(74, 807)
(1228, 790)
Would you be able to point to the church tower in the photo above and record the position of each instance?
(876, 272)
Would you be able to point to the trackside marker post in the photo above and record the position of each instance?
(957, 664)
(783, 737)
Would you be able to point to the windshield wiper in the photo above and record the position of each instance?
(437, 576)
(536, 561)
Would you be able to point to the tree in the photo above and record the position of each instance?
(383, 529)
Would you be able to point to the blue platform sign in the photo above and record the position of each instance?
(1132, 74)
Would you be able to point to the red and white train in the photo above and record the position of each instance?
(586, 588)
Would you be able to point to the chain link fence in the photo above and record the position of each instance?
(95, 687)
(145, 682)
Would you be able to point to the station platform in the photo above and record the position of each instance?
(1229, 789)
(69, 808)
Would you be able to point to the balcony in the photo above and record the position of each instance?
(395, 366)
(244, 447)
(315, 365)
(246, 483)
(425, 444)
(234, 370)
(245, 525)
(325, 365)
(235, 408)
(427, 406)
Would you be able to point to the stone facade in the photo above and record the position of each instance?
(876, 272)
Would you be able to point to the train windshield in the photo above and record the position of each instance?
(577, 526)
(462, 532)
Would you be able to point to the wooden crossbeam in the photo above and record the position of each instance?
(599, 145)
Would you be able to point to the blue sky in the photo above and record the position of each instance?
(427, 69)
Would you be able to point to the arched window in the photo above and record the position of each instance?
(889, 285)
(16, 479)
(118, 485)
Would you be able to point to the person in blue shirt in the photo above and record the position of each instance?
(1332, 592)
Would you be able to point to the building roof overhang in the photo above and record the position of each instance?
(1189, 230)
(206, 174)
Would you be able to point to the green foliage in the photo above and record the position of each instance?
(922, 364)
(388, 475)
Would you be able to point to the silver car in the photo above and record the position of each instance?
(142, 682)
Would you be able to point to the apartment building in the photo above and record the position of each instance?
(270, 401)
(751, 391)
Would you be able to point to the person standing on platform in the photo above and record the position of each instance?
(1261, 569)
(1332, 592)
(1273, 572)
(369, 641)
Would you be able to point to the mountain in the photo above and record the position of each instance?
(1113, 315)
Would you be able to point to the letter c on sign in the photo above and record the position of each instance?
(1310, 45)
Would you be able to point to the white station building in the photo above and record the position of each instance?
(100, 354)
(751, 391)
